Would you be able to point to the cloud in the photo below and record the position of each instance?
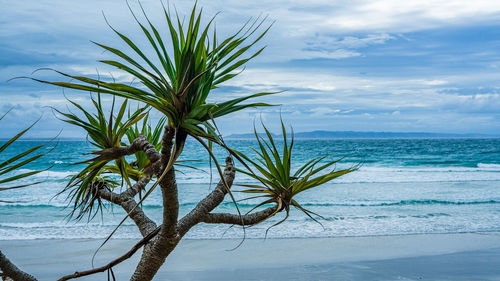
(322, 111)
(330, 46)
(360, 65)
(331, 42)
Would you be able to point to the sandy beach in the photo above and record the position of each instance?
(462, 256)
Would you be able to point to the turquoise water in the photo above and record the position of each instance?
(404, 186)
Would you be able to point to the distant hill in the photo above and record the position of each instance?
(368, 135)
(319, 134)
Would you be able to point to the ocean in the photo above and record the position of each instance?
(404, 186)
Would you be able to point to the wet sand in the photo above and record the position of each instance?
(462, 256)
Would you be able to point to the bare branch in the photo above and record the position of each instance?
(12, 271)
(139, 144)
(127, 202)
(114, 262)
(248, 219)
(144, 223)
(110, 196)
(210, 202)
(139, 185)
(125, 199)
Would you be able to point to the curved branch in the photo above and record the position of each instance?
(114, 262)
(127, 202)
(248, 219)
(140, 184)
(210, 202)
(142, 221)
(141, 143)
(12, 271)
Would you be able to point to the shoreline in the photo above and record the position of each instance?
(482, 232)
(386, 257)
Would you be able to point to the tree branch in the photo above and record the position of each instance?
(140, 184)
(210, 202)
(248, 219)
(127, 202)
(114, 262)
(145, 224)
(139, 144)
(126, 198)
(12, 271)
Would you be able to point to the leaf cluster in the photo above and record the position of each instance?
(191, 63)
(14, 163)
(276, 181)
(186, 66)
(104, 132)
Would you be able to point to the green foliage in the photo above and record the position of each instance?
(277, 183)
(192, 63)
(104, 133)
(188, 63)
(18, 161)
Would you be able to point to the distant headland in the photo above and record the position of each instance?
(320, 134)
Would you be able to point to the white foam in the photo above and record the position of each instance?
(49, 174)
(489, 166)
(61, 223)
(427, 174)
(368, 174)
(483, 172)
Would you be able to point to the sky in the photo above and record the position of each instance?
(387, 65)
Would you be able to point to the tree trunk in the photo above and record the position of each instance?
(153, 257)
(155, 253)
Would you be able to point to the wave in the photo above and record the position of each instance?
(49, 174)
(489, 166)
(60, 224)
(403, 203)
(380, 174)
(373, 174)
(306, 204)
(366, 174)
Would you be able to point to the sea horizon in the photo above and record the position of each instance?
(301, 135)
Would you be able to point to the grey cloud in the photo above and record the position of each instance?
(428, 91)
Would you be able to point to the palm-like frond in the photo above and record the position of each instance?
(191, 63)
(104, 132)
(276, 182)
(18, 161)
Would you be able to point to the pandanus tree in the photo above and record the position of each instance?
(177, 81)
